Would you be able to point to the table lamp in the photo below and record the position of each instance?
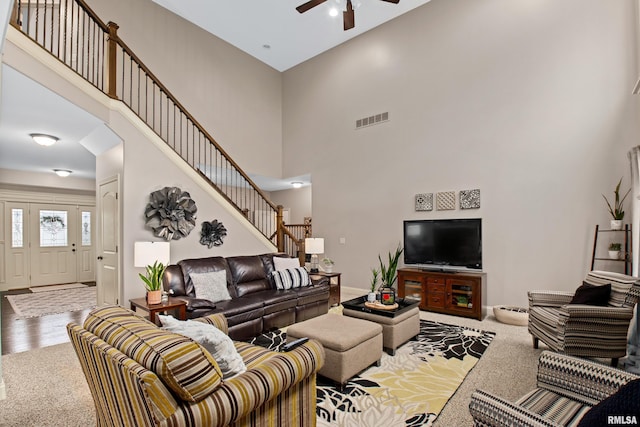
(314, 246)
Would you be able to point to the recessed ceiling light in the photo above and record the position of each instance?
(296, 184)
(62, 172)
(44, 139)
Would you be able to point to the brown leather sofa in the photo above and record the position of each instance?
(256, 305)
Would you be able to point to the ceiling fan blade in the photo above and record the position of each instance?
(392, 1)
(308, 5)
(348, 17)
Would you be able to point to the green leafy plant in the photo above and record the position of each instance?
(153, 279)
(616, 210)
(388, 271)
(615, 246)
(327, 261)
(374, 278)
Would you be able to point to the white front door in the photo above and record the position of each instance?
(108, 281)
(53, 245)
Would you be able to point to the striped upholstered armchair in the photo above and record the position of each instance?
(585, 330)
(570, 392)
(141, 375)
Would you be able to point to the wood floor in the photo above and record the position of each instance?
(20, 335)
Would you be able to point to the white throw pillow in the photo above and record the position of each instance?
(291, 278)
(281, 263)
(212, 339)
(211, 286)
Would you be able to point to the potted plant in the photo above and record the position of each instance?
(153, 282)
(327, 265)
(388, 276)
(614, 250)
(371, 297)
(616, 211)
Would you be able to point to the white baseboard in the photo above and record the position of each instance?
(3, 392)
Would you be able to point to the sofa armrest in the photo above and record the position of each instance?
(490, 410)
(198, 303)
(319, 280)
(240, 395)
(549, 298)
(594, 312)
(218, 320)
(581, 379)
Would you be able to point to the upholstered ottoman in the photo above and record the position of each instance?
(395, 330)
(351, 345)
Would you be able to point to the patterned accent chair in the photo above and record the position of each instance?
(567, 388)
(142, 375)
(585, 330)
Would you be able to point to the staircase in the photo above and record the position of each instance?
(73, 33)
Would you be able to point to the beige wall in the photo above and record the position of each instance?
(16, 179)
(234, 96)
(529, 101)
(298, 201)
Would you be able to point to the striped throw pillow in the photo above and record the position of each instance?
(291, 278)
(182, 364)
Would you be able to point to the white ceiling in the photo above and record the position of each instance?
(28, 107)
(293, 37)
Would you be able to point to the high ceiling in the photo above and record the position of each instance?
(28, 107)
(292, 37)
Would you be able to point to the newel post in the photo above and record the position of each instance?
(112, 54)
(280, 228)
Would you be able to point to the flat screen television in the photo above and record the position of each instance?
(443, 243)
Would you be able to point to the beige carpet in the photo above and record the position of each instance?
(52, 302)
(48, 288)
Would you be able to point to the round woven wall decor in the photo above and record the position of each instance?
(171, 213)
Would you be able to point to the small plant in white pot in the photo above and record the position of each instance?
(617, 214)
(327, 265)
(614, 250)
(371, 297)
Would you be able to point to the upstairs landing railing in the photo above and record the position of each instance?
(73, 33)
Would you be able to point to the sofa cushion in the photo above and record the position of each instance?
(592, 294)
(625, 402)
(291, 278)
(281, 263)
(211, 286)
(248, 274)
(183, 365)
(211, 338)
(202, 265)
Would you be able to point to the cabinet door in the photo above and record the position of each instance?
(411, 286)
(460, 294)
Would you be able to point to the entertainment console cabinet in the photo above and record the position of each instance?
(457, 293)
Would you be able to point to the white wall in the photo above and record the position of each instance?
(15, 178)
(297, 200)
(234, 96)
(528, 101)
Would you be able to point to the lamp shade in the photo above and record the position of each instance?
(314, 245)
(147, 253)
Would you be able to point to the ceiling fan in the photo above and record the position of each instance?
(348, 17)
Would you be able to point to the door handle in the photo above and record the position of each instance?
(99, 258)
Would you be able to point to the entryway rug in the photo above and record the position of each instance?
(408, 389)
(53, 302)
(49, 288)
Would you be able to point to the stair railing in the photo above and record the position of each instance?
(73, 33)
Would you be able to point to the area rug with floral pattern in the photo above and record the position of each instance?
(408, 389)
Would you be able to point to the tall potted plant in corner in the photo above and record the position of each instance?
(153, 282)
(616, 211)
(388, 276)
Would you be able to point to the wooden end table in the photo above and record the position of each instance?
(334, 285)
(173, 304)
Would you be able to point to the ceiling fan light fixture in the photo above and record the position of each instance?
(333, 12)
(62, 172)
(44, 139)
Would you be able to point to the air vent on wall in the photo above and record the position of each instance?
(372, 120)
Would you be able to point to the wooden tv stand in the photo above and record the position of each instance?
(457, 293)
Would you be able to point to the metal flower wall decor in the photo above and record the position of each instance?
(171, 213)
(212, 233)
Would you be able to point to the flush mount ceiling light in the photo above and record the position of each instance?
(296, 184)
(62, 172)
(44, 139)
